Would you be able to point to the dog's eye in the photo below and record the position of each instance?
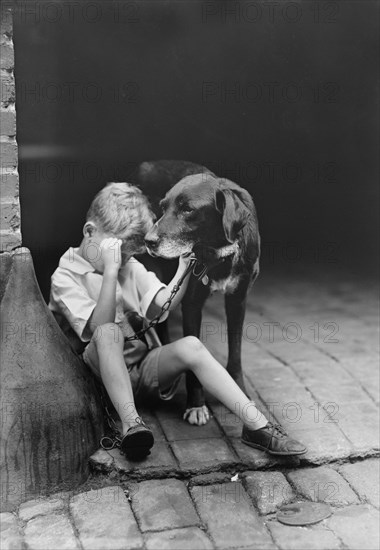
(187, 209)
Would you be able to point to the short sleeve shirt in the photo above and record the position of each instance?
(75, 289)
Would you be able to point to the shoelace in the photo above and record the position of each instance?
(277, 429)
(140, 421)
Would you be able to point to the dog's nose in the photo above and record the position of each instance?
(151, 241)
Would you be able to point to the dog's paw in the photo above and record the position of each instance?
(197, 415)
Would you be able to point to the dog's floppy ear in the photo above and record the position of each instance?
(234, 213)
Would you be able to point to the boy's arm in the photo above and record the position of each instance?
(105, 309)
(163, 294)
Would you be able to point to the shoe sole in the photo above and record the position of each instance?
(276, 453)
(137, 445)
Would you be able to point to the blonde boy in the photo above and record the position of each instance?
(95, 288)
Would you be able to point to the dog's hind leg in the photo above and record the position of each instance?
(196, 410)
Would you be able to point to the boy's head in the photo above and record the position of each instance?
(120, 210)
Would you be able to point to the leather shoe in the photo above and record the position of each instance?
(273, 439)
(138, 441)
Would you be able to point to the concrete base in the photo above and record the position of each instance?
(51, 418)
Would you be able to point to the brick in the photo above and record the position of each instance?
(7, 89)
(338, 393)
(176, 429)
(6, 23)
(229, 422)
(360, 423)
(372, 387)
(268, 490)
(6, 56)
(191, 538)
(104, 520)
(196, 455)
(160, 460)
(9, 184)
(33, 508)
(8, 122)
(324, 443)
(9, 240)
(11, 536)
(101, 461)
(323, 484)
(52, 531)
(315, 373)
(10, 215)
(163, 504)
(8, 151)
(210, 479)
(303, 538)
(256, 459)
(363, 369)
(356, 526)
(274, 376)
(364, 479)
(152, 421)
(230, 517)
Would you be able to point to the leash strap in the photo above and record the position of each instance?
(191, 267)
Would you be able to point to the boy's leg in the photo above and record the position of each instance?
(106, 351)
(190, 354)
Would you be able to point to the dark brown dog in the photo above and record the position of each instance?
(216, 219)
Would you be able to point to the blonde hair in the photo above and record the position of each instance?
(122, 210)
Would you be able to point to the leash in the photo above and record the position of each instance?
(191, 267)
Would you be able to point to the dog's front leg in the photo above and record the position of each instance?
(235, 305)
(192, 303)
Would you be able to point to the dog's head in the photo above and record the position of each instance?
(200, 209)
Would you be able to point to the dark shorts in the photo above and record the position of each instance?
(143, 375)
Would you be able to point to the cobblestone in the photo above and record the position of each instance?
(303, 538)
(176, 430)
(190, 538)
(160, 460)
(33, 508)
(323, 444)
(196, 455)
(323, 484)
(230, 517)
(163, 504)
(363, 477)
(268, 490)
(104, 520)
(357, 527)
(50, 531)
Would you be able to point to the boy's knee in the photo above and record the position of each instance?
(108, 334)
(191, 347)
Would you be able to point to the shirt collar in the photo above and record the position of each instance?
(72, 261)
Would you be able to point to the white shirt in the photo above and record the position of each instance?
(75, 289)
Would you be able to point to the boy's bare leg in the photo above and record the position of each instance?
(109, 343)
(190, 354)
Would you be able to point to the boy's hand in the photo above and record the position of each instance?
(110, 250)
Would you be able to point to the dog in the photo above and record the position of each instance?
(216, 220)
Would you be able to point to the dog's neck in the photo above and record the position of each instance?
(228, 250)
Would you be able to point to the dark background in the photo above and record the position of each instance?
(107, 85)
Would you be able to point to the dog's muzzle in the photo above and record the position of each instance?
(151, 245)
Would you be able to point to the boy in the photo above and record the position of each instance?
(94, 288)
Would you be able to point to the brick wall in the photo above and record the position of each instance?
(10, 235)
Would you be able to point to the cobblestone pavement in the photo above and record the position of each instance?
(310, 353)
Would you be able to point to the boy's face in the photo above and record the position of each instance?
(92, 250)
